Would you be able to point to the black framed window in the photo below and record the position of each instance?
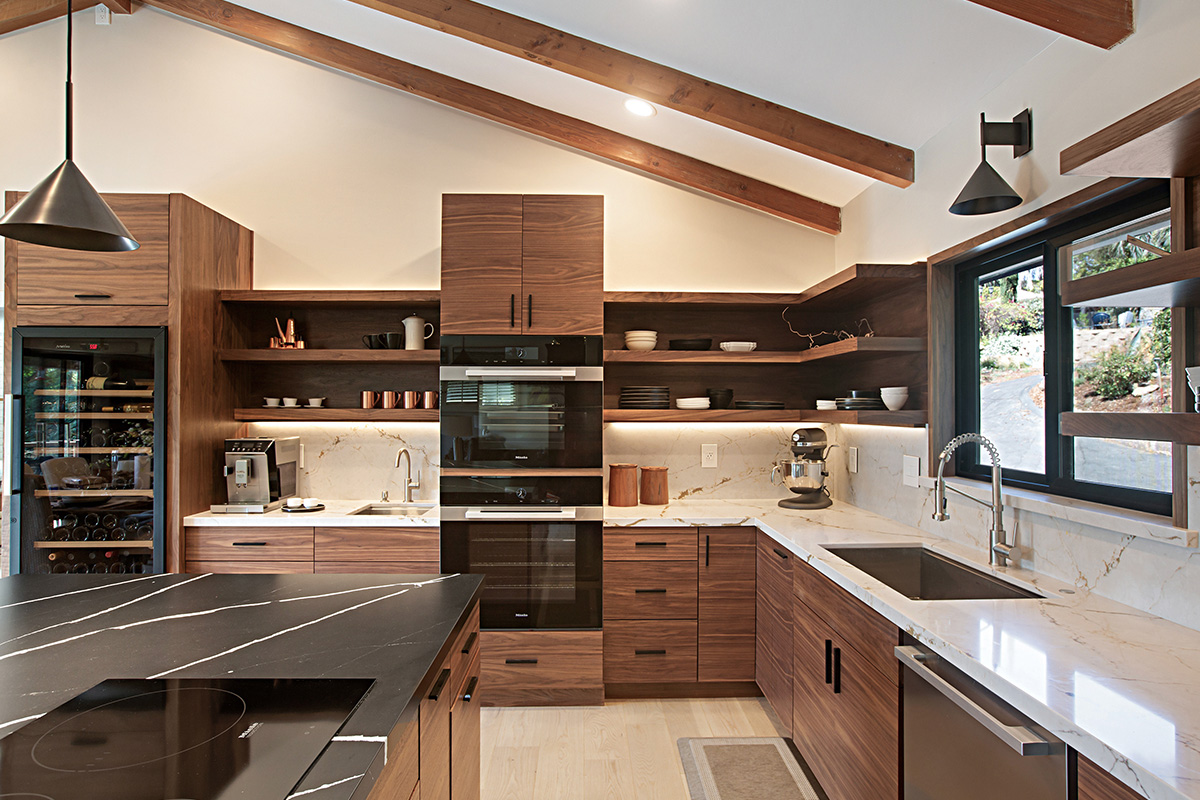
(1022, 359)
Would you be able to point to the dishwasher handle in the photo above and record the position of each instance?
(1020, 738)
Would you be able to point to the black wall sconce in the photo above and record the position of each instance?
(986, 192)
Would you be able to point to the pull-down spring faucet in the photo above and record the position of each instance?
(999, 551)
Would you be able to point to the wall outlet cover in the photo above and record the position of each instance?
(912, 471)
(708, 456)
(103, 15)
(852, 460)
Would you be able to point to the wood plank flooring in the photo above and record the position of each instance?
(624, 749)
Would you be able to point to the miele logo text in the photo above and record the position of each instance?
(246, 734)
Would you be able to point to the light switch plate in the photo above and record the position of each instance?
(103, 15)
(853, 460)
(912, 471)
(708, 456)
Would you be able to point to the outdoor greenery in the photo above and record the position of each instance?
(1119, 254)
(1115, 373)
(1160, 337)
(999, 316)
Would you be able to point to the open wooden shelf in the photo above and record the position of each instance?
(859, 284)
(1178, 427)
(140, 393)
(1168, 282)
(139, 544)
(863, 346)
(90, 415)
(705, 298)
(1161, 140)
(428, 297)
(701, 415)
(331, 356)
(906, 419)
(280, 414)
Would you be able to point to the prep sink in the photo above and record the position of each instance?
(921, 574)
(393, 510)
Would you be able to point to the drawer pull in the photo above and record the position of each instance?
(520, 661)
(649, 591)
(249, 544)
(829, 661)
(439, 685)
(470, 690)
(649, 544)
(837, 670)
(780, 553)
(93, 297)
(649, 652)
(470, 642)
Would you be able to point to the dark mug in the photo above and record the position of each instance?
(393, 341)
(374, 341)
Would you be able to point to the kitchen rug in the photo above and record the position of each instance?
(743, 769)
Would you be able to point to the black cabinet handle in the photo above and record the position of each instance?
(649, 652)
(649, 544)
(530, 307)
(829, 661)
(470, 690)
(439, 685)
(16, 425)
(512, 311)
(520, 661)
(649, 591)
(837, 670)
(780, 553)
(249, 544)
(93, 297)
(707, 547)
(470, 642)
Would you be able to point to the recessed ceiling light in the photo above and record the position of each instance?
(636, 105)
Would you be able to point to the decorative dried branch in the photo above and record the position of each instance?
(838, 335)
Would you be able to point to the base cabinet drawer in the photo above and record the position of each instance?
(249, 567)
(649, 544)
(649, 590)
(249, 544)
(650, 651)
(378, 544)
(377, 568)
(541, 668)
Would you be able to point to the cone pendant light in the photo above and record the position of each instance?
(986, 192)
(64, 210)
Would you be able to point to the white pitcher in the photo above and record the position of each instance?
(416, 331)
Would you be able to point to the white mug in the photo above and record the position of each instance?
(291, 401)
(416, 331)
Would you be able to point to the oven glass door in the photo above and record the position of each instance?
(537, 574)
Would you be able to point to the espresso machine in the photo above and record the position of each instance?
(804, 474)
(260, 474)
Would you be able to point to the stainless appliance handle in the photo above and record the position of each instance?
(510, 515)
(13, 429)
(499, 373)
(1020, 738)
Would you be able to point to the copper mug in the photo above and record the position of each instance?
(391, 399)
(412, 399)
(430, 400)
(370, 399)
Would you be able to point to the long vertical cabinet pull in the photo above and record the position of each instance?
(512, 310)
(837, 670)
(829, 661)
(707, 545)
(530, 311)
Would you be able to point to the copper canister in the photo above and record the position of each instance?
(622, 485)
(654, 486)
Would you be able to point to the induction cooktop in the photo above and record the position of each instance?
(179, 739)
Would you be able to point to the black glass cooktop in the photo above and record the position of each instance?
(182, 739)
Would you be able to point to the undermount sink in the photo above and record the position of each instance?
(393, 510)
(922, 574)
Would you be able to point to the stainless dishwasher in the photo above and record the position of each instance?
(961, 741)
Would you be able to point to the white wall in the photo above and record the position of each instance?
(341, 179)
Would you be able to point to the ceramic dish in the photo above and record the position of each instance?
(739, 347)
(303, 509)
(691, 344)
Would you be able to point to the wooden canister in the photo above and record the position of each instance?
(622, 485)
(654, 486)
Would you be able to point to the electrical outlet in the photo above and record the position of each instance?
(912, 470)
(708, 456)
(853, 460)
(103, 15)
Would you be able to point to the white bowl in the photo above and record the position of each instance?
(641, 333)
(895, 389)
(738, 347)
(895, 403)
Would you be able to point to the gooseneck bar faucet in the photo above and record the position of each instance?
(999, 551)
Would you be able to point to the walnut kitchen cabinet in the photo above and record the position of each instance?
(375, 549)
(531, 264)
(249, 550)
(726, 605)
(773, 626)
(1097, 784)
(846, 690)
(324, 550)
(541, 668)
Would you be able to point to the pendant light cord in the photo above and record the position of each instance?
(70, 99)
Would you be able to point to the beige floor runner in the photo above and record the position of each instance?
(743, 769)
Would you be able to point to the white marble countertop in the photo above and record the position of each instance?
(1119, 685)
(336, 514)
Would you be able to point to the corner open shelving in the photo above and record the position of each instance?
(330, 356)
(783, 415)
(281, 414)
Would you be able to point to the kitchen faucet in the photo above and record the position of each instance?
(999, 551)
(409, 483)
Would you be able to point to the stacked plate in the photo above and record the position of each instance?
(692, 403)
(738, 347)
(645, 397)
(758, 405)
(826, 405)
(860, 404)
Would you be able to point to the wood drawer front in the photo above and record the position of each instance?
(540, 668)
(400, 774)
(650, 590)
(378, 544)
(378, 568)
(466, 650)
(249, 544)
(650, 544)
(92, 315)
(862, 628)
(249, 567)
(650, 651)
(1097, 784)
(51, 276)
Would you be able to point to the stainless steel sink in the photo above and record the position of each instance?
(393, 510)
(922, 574)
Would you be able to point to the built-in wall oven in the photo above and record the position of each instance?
(522, 476)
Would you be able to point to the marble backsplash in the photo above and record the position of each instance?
(356, 461)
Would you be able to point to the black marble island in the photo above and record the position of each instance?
(62, 634)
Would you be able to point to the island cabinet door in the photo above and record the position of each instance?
(726, 605)
(464, 728)
(435, 737)
(773, 626)
(1097, 784)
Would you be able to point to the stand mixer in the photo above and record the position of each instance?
(805, 474)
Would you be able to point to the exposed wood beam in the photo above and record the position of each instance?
(1104, 23)
(18, 14)
(656, 83)
(510, 111)
(119, 6)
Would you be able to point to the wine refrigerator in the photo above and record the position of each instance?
(87, 434)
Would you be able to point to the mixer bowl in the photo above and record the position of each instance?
(799, 475)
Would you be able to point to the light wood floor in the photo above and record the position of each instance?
(624, 749)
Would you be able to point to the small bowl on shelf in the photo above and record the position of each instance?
(641, 340)
(894, 397)
(690, 344)
(826, 405)
(739, 347)
(692, 403)
(719, 398)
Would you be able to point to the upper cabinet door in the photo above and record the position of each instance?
(562, 285)
(51, 276)
(481, 264)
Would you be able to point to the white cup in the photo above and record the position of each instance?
(294, 502)
(291, 401)
(271, 401)
(311, 502)
(316, 402)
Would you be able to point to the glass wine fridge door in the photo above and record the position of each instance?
(88, 436)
